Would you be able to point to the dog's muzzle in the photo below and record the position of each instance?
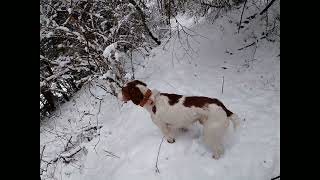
(121, 97)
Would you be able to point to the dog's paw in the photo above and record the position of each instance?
(216, 157)
(171, 140)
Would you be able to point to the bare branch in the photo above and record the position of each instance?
(244, 5)
(144, 22)
(267, 7)
(92, 93)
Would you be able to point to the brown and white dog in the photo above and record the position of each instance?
(173, 111)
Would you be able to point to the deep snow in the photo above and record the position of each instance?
(251, 89)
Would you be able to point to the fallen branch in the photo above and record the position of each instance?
(110, 153)
(157, 169)
(71, 155)
(67, 157)
(69, 141)
(247, 46)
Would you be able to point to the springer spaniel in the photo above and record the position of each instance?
(173, 111)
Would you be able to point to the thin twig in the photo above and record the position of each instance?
(92, 93)
(242, 15)
(184, 27)
(86, 113)
(157, 169)
(276, 177)
(222, 84)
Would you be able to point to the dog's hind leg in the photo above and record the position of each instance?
(213, 133)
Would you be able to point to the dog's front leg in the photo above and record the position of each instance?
(166, 130)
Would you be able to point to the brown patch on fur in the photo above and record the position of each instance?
(200, 101)
(125, 93)
(146, 98)
(173, 98)
(132, 92)
(154, 109)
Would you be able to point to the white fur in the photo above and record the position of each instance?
(120, 96)
(170, 117)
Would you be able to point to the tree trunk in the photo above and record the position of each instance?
(168, 9)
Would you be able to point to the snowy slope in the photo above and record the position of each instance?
(128, 143)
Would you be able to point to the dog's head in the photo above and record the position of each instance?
(132, 91)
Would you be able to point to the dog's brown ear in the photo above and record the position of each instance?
(125, 93)
(132, 92)
(135, 94)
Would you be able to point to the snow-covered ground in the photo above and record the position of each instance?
(128, 143)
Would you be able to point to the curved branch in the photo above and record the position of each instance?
(143, 17)
(267, 7)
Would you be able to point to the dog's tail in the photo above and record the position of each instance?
(235, 121)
